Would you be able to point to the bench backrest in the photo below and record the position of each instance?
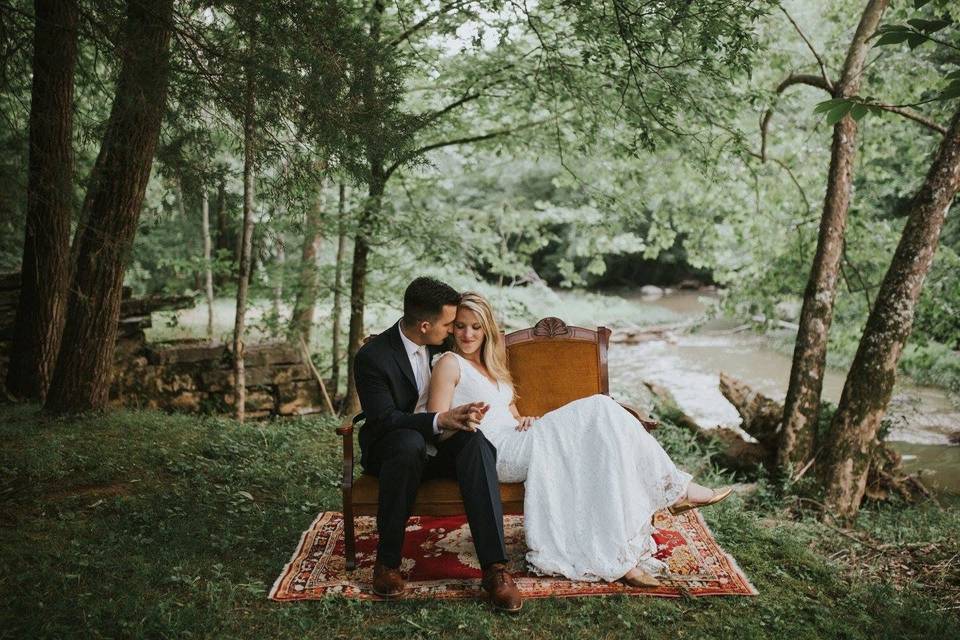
(554, 363)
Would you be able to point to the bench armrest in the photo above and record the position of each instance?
(648, 423)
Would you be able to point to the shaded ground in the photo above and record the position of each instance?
(140, 524)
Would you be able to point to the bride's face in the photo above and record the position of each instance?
(467, 331)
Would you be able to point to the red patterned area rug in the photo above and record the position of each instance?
(439, 562)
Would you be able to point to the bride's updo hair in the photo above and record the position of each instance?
(492, 353)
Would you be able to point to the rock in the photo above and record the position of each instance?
(190, 352)
(690, 284)
(271, 354)
(651, 292)
(189, 401)
(299, 398)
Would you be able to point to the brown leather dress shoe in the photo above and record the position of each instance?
(387, 582)
(504, 594)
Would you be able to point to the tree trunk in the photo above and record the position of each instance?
(338, 289)
(207, 265)
(370, 213)
(870, 381)
(81, 378)
(45, 269)
(277, 277)
(358, 277)
(301, 322)
(802, 405)
(223, 243)
(246, 244)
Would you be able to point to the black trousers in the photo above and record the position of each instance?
(401, 462)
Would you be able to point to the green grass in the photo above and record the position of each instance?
(141, 524)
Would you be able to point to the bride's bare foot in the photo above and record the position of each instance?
(637, 577)
(698, 493)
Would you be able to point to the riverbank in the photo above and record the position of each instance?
(140, 524)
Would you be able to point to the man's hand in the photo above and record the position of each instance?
(466, 417)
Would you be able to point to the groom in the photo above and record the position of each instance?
(403, 448)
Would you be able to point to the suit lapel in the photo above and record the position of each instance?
(400, 355)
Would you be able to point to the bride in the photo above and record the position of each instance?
(593, 475)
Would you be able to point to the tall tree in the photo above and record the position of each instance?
(81, 378)
(802, 404)
(335, 348)
(207, 261)
(301, 322)
(246, 234)
(869, 385)
(45, 269)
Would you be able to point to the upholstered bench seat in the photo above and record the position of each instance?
(439, 497)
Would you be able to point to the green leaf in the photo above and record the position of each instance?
(915, 40)
(858, 111)
(954, 75)
(827, 105)
(952, 91)
(837, 113)
(919, 4)
(929, 26)
(892, 37)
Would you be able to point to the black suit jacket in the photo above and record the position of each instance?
(388, 391)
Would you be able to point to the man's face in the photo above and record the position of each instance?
(436, 332)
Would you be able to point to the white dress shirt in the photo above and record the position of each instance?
(420, 363)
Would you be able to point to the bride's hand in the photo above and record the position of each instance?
(525, 422)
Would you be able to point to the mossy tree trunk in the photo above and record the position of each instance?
(802, 404)
(45, 269)
(866, 392)
(81, 378)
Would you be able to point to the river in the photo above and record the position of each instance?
(689, 364)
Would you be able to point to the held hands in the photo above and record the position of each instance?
(525, 422)
(466, 417)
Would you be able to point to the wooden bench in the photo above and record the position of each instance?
(552, 364)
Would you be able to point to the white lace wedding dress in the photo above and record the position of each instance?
(593, 478)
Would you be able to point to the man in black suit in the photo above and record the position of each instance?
(403, 448)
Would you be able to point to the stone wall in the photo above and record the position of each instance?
(186, 375)
(198, 377)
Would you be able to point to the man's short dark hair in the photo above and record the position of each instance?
(425, 298)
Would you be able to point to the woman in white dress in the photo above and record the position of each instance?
(593, 475)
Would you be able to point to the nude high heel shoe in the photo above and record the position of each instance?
(640, 579)
(687, 505)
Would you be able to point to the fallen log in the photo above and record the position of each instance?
(761, 419)
(761, 415)
(731, 450)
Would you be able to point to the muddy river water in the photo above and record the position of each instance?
(689, 364)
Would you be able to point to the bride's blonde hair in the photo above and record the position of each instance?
(492, 352)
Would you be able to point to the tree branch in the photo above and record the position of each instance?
(789, 81)
(457, 141)
(823, 68)
(910, 114)
(424, 22)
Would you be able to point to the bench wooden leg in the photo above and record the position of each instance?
(349, 541)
